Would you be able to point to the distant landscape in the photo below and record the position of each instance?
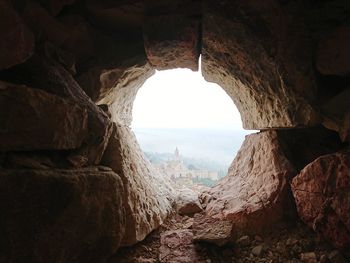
(206, 149)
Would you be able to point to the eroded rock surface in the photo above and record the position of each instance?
(255, 194)
(175, 48)
(32, 119)
(322, 193)
(261, 60)
(187, 202)
(41, 72)
(148, 196)
(212, 230)
(177, 247)
(60, 215)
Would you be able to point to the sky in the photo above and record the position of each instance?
(181, 98)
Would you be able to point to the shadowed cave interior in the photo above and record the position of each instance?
(74, 184)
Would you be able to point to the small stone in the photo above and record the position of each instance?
(309, 257)
(256, 251)
(243, 241)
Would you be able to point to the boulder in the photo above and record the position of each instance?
(32, 119)
(60, 215)
(322, 193)
(212, 230)
(176, 246)
(333, 53)
(255, 194)
(148, 197)
(17, 41)
(175, 48)
(44, 73)
(187, 202)
(260, 57)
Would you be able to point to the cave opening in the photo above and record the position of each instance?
(189, 129)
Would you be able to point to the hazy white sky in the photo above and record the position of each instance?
(181, 98)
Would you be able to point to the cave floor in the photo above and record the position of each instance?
(287, 243)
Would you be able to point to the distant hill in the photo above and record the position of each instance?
(215, 148)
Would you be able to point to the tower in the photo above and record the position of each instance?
(177, 154)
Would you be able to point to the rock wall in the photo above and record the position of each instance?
(69, 73)
(54, 215)
(254, 195)
(148, 197)
(322, 192)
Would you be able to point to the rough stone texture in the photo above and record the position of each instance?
(336, 113)
(148, 196)
(262, 61)
(177, 247)
(116, 76)
(32, 119)
(17, 42)
(44, 73)
(187, 202)
(322, 194)
(60, 215)
(212, 230)
(333, 54)
(71, 32)
(175, 48)
(255, 194)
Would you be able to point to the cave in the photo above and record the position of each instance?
(74, 184)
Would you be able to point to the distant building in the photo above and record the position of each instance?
(176, 170)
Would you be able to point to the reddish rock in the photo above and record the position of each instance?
(60, 215)
(322, 194)
(175, 48)
(148, 196)
(187, 202)
(261, 57)
(212, 230)
(333, 55)
(42, 72)
(17, 41)
(32, 119)
(177, 247)
(255, 193)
